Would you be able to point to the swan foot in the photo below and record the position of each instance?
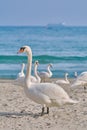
(42, 113)
(43, 108)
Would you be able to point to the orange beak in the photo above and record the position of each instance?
(20, 51)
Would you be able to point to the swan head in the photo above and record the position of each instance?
(50, 65)
(66, 74)
(23, 65)
(23, 49)
(36, 63)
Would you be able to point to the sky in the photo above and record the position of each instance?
(43, 12)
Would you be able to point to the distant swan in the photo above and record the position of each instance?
(63, 81)
(44, 75)
(81, 80)
(36, 78)
(75, 74)
(46, 94)
(21, 74)
(36, 73)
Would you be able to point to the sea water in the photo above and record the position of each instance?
(63, 46)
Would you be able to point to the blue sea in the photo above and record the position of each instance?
(63, 46)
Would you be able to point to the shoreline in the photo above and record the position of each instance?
(19, 112)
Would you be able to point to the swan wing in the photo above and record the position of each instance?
(78, 82)
(81, 79)
(33, 79)
(61, 81)
(43, 74)
(19, 81)
(82, 76)
(47, 93)
(21, 75)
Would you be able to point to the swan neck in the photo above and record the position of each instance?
(35, 70)
(66, 78)
(49, 71)
(36, 74)
(22, 69)
(29, 65)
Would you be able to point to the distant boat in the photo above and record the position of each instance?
(55, 25)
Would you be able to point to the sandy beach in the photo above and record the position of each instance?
(17, 112)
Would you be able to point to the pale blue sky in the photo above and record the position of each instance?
(42, 12)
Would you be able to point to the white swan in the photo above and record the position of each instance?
(44, 75)
(63, 81)
(46, 94)
(75, 74)
(21, 74)
(36, 78)
(36, 73)
(20, 77)
(81, 80)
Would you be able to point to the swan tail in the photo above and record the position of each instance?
(73, 101)
(75, 84)
(78, 83)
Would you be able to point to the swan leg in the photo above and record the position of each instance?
(47, 110)
(42, 113)
(84, 88)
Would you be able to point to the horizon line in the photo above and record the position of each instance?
(66, 25)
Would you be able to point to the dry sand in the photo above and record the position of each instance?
(17, 112)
